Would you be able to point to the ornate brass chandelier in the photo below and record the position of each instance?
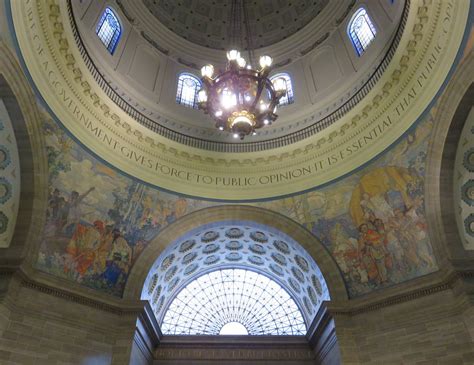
(240, 99)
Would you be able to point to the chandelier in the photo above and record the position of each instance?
(240, 99)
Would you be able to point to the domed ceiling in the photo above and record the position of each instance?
(307, 40)
(208, 24)
(348, 109)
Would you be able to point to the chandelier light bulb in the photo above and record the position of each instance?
(228, 99)
(241, 62)
(238, 100)
(202, 96)
(279, 84)
(233, 55)
(207, 71)
(265, 61)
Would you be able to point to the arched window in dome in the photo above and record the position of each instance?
(361, 31)
(233, 302)
(188, 87)
(285, 79)
(109, 29)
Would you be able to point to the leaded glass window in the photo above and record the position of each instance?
(233, 301)
(188, 87)
(361, 31)
(109, 30)
(285, 79)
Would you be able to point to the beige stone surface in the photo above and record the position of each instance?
(40, 328)
(435, 329)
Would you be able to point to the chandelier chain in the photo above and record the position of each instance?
(240, 98)
(248, 33)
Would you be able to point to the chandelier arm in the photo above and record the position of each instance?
(233, 23)
(259, 93)
(232, 97)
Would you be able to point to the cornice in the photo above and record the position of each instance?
(448, 283)
(348, 308)
(26, 281)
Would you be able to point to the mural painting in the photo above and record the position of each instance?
(98, 221)
(373, 222)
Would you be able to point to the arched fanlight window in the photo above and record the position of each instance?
(233, 302)
(361, 31)
(285, 79)
(188, 87)
(109, 30)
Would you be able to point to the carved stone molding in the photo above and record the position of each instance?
(448, 283)
(25, 280)
(33, 164)
(269, 348)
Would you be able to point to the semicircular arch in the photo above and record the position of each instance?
(295, 231)
(451, 114)
(20, 103)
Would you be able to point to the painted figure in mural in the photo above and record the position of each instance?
(394, 246)
(104, 246)
(54, 204)
(74, 212)
(405, 230)
(375, 206)
(373, 253)
(57, 212)
(119, 259)
(81, 249)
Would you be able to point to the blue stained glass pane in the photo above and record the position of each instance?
(109, 30)
(361, 31)
(188, 87)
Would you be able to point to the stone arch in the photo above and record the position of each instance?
(314, 248)
(21, 104)
(452, 111)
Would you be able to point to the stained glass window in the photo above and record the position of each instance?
(233, 301)
(285, 79)
(188, 87)
(109, 30)
(361, 31)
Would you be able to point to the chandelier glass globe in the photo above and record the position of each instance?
(240, 99)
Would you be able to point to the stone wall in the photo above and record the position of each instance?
(40, 328)
(434, 329)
